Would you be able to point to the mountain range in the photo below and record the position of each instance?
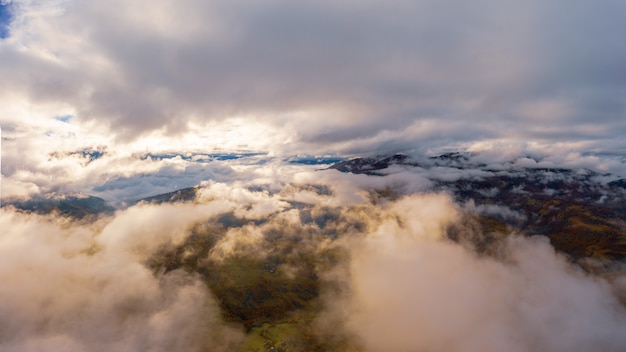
(582, 211)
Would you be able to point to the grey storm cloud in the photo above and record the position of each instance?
(489, 69)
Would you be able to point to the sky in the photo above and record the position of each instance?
(127, 99)
(5, 19)
(309, 77)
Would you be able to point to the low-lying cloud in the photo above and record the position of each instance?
(74, 287)
(385, 273)
(411, 290)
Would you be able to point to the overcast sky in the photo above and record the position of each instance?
(316, 77)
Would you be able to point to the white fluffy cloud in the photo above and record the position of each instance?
(408, 289)
(401, 285)
(77, 287)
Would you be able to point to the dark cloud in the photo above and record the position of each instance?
(138, 68)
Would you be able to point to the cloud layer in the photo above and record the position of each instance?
(132, 78)
(410, 291)
(94, 94)
(75, 287)
(387, 273)
(320, 75)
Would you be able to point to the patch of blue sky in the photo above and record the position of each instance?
(315, 160)
(92, 154)
(64, 118)
(201, 157)
(6, 16)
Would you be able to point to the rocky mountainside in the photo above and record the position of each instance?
(370, 165)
